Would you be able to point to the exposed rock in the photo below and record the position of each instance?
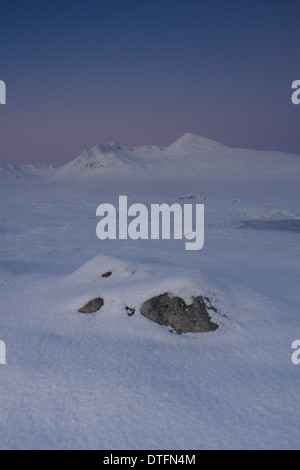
(92, 306)
(208, 304)
(109, 273)
(172, 311)
(129, 311)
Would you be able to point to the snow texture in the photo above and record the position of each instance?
(108, 380)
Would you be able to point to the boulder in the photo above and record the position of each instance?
(172, 311)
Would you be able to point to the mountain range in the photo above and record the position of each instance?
(188, 156)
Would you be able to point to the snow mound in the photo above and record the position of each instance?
(130, 284)
(93, 269)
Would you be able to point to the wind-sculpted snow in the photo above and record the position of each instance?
(113, 378)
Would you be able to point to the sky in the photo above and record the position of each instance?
(80, 73)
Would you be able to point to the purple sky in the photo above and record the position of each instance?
(81, 73)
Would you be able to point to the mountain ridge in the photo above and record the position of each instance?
(188, 156)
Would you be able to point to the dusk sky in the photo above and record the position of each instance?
(79, 73)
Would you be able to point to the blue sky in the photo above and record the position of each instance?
(145, 72)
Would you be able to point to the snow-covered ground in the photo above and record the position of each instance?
(109, 380)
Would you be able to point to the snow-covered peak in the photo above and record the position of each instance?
(114, 157)
(101, 156)
(194, 142)
(110, 158)
(106, 148)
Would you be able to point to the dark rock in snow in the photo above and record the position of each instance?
(109, 273)
(209, 304)
(188, 196)
(129, 311)
(172, 311)
(92, 306)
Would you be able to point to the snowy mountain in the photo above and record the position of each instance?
(110, 158)
(190, 156)
(192, 143)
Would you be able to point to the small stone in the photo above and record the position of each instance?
(187, 196)
(92, 306)
(129, 311)
(109, 273)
